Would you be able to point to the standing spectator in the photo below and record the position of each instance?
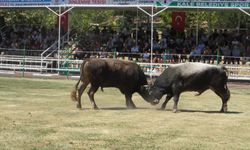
(163, 44)
(110, 44)
(236, 51)
(226, 52)
(155, 35)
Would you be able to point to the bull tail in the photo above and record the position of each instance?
(226, 70)
(74, 93)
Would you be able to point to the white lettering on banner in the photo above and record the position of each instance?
(239, 4)
(170, 3)
(211, 4)
(184, 4)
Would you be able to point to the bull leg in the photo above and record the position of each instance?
(80, 91)
(163, 106)
(129, 103)
(224, 94)
(91, 94)
(176, 100)
(223, 107)
(225, 97)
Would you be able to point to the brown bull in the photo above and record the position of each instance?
(126, 76)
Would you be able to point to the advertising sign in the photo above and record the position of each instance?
(24, 2)
(169, 3)
(212, 4)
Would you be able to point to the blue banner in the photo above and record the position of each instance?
(28, 2)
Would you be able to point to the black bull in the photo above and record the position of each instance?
(126, 76)
(190, 77)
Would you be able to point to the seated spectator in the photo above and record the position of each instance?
(145, 47)
(35, 45)
(130, 42)
(168, 57)
(158, 57)
(103, 53)
(77, 52)
(134, 51)
(156, 45)
(146, 56)
(207, 54)
(194, 55)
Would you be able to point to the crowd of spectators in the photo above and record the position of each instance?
(167, 45)
(34, 39)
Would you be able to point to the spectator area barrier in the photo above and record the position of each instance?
(71, 67)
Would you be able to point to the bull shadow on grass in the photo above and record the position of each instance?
(204, 111)
(114, 108)
(122, 108)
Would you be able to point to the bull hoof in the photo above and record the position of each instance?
(96, 108)
(131, 107)
(175, 110)
(223, 110)
(78, 106)
(162, 108)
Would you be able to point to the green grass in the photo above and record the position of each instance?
(38, 114)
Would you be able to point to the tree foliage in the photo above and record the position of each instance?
(82, 19)
(28, 16)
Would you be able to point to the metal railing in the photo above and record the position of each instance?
(69, 66)
(52, 48)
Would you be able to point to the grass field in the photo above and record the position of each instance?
(38, 114)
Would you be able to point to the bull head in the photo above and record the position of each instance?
(146, 93)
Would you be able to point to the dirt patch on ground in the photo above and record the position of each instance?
(245, 84)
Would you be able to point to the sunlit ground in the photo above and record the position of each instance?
(38, 114)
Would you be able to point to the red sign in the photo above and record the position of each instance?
(178, 21)
(64, 21)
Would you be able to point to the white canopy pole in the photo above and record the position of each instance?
(152, 38)
(52, 10)
(59, 40)
(144, 11)
(152, 31)
(59, 14)
(136, 30)
(197, 28)
(247, 13)
(160, 11)
(68, 22)
(238, 25)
